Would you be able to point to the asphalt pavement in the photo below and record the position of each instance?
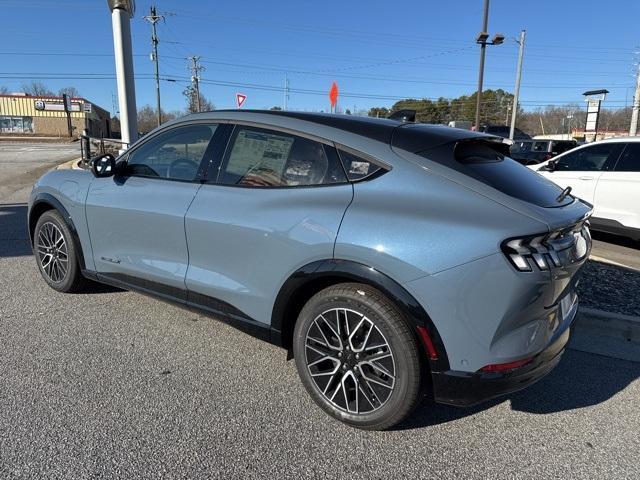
(112, 384)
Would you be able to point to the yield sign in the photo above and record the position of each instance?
(333, 94)
(240, 98)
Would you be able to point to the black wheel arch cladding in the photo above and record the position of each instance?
(315, 276)
(45, 202)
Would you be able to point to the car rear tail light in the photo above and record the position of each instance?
(559, 248)
(505, 367)
(427, 342)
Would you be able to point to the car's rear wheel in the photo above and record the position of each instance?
(356, 356)
(55, 253)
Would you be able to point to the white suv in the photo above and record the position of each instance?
(606, 174)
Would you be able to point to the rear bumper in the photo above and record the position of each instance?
(466, 389)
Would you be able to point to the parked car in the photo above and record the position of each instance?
(607, 175)
(532, 152)
(503, 131)
(390, 258)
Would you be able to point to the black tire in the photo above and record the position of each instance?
(71, 280)
(385, 323)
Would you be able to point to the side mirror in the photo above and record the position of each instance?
(103, 166)
(549, 167)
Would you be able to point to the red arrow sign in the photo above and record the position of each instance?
(240, 98)
(333, 94)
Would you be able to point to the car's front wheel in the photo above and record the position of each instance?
(356, 356)
(55, 252)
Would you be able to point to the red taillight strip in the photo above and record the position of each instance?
(503, 367)
(428, 344)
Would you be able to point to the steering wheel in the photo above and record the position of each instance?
(182, 165)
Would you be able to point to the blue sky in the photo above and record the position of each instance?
(377, 51)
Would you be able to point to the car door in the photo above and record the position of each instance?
(136, 218)
(618, 192)
(275, 206)
(581, 169)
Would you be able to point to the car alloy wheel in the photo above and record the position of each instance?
(52, 252)
(350, 361)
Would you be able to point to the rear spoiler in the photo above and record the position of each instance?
(404, 116)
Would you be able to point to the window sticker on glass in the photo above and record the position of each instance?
(359, 168)
(258, 150)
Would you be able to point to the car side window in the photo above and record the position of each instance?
(175, 154)
(258, 157)
(358, 167)
(540, 146)
(630, 159)
(589, 159)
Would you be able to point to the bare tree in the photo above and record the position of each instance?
(4, 90)
(192, 101)
(148, 118)
(70, 91)
(37, 89)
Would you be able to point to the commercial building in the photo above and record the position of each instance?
(22, 114)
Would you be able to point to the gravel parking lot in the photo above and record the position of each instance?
(113, 384)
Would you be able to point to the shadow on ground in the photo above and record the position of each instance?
(580, 380)
(14, 240)
(14, 235)
(615, 239)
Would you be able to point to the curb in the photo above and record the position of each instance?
(609, 334)
(615, 325)
(599, 259)
(70, 165)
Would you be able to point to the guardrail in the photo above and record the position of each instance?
(91, 147)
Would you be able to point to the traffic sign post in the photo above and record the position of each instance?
(333, 96)
(240, 99)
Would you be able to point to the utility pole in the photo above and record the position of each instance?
(195, 78)
(286, 92)
(154, 18)
(633, 130)
(121, 13)
(516, 93)
(481, 39)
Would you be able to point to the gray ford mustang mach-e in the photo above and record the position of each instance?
(392, 259)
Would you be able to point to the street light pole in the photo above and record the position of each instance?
(121, 13)
(483, 46)
(516, 93)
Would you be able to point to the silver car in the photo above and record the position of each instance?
(392, 260)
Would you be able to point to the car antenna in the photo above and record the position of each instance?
(564, 194)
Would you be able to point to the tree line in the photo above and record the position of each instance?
(496, 108)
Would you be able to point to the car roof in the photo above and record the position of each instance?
(407, 136)
(617, 139)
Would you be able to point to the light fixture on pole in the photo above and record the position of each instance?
(482, 40)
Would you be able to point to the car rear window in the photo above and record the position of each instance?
(487, 163)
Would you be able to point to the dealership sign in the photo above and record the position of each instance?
(54, 106)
